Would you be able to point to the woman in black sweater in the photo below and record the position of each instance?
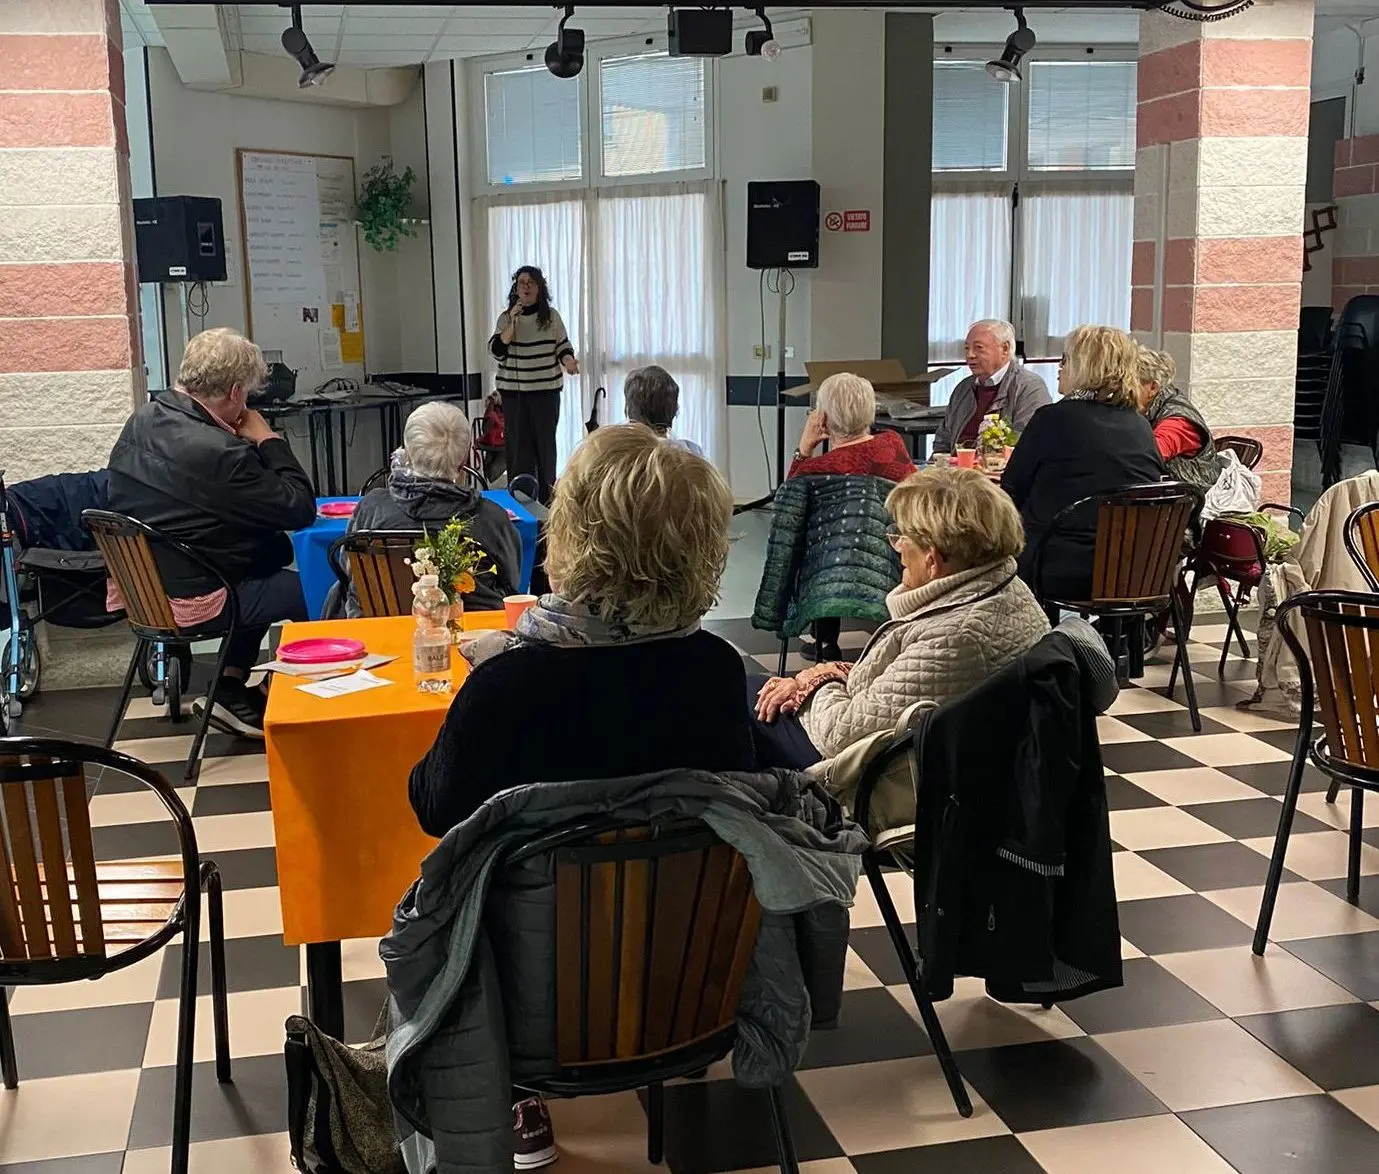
(611, 675)
(1093, 441)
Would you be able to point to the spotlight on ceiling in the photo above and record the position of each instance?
(762, 42)
(565, 55)
(294, 40)
(1006, 68)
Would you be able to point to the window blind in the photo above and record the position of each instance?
(531, 127)
(653, 114)
(1081, 115)
(970, 113)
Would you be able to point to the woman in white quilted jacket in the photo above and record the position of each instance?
(959, 614)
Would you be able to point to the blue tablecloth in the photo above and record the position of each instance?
(313, 546)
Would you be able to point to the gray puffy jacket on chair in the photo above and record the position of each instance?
(471, 956)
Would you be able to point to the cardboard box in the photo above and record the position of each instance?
(887, 376)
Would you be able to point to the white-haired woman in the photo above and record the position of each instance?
(843, 415)
(427, 487)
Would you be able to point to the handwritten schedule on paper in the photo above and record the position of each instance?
(282, 216)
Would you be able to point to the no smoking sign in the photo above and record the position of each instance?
(853, 220)
(833, 221)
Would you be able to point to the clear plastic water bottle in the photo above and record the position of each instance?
(431, 644)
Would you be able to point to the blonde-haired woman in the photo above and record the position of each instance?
(959, 614)
(637, 540)
(1093, 441)
(843, 415)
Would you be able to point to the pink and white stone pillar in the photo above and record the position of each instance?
(1219, 191)
(70, 349)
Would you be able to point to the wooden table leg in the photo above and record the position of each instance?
(325, 993)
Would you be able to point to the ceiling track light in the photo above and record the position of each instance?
(295, 41)
(565, 55)
(762, 42)
(1006, 68)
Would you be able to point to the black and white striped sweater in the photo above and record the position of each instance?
(531, 361)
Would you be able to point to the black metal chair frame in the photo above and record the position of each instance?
(1349, 338)
(1235, 443)
(572, 843)
(1353, 542)
(910, 962)
(1305, 750)
(224, 632)
(379, 477)
(1134, 611)
(198, 876)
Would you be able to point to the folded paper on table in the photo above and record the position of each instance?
(308, 671)
(355, 682)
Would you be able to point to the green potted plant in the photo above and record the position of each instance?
(384, 202)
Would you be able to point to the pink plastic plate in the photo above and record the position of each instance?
(322, 650)
(336, 509)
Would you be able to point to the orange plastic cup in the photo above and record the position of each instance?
(514, 606)
(965, 458)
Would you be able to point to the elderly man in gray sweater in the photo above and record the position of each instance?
(998, 383)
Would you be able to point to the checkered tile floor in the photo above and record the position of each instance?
(1208, 1060)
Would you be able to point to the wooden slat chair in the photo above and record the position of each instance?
(101, 917)
(1362, 541)
(1139, 545)
(654, 932)
(1338, 668)
(376, 563)
(128, 547)
(1247, 448)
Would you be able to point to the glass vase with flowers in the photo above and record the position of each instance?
(995, 440)
(456, 560)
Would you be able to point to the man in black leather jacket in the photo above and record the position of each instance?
(199, 465)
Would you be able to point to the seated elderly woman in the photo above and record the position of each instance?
(1093, 441)
(959, 614)
(1185, 442)
(626, 680)
(845, 410)
(427, 487)
(652, 397)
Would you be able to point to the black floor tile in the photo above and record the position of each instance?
(132, 841)
(1351, 960)
(873, 1026)
(158, 727)
(231, 799)
(1245, 819)
(364, 999)
(86, 1164)
(1334, 1047)
(1150, 997)
(1054, 1084)
(1211, 691)
(1300, 1135)
(1369, 891)
(1272, 777)
(96, 1039)
(1207, 867)
(1170, 724)
(1128, 758)
(1284, 740)
(1122, 795)
(251, 964)
(1169, 925)
(716, 1125)
(247, 868)
(874, 947)
(255, 1103)
(983, 1155)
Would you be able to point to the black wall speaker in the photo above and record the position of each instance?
(783, 224)
(179, 238)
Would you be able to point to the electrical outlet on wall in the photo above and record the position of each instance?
(789, 352)
(762, 352)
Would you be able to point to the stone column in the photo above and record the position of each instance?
(1219, 190)
(70, 362)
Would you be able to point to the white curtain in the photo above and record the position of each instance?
(637, 275)
(1074, 264)
(969, 271)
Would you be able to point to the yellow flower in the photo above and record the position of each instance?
(464, 583)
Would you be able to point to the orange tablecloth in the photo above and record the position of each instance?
(348, 843)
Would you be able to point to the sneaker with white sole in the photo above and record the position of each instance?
(237, 709)
(533, 1136)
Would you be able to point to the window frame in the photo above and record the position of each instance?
(589, 85)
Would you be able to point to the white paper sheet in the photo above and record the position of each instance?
(341, 686)
(330, 349)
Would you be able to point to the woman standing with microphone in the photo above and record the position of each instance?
(534, 356)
